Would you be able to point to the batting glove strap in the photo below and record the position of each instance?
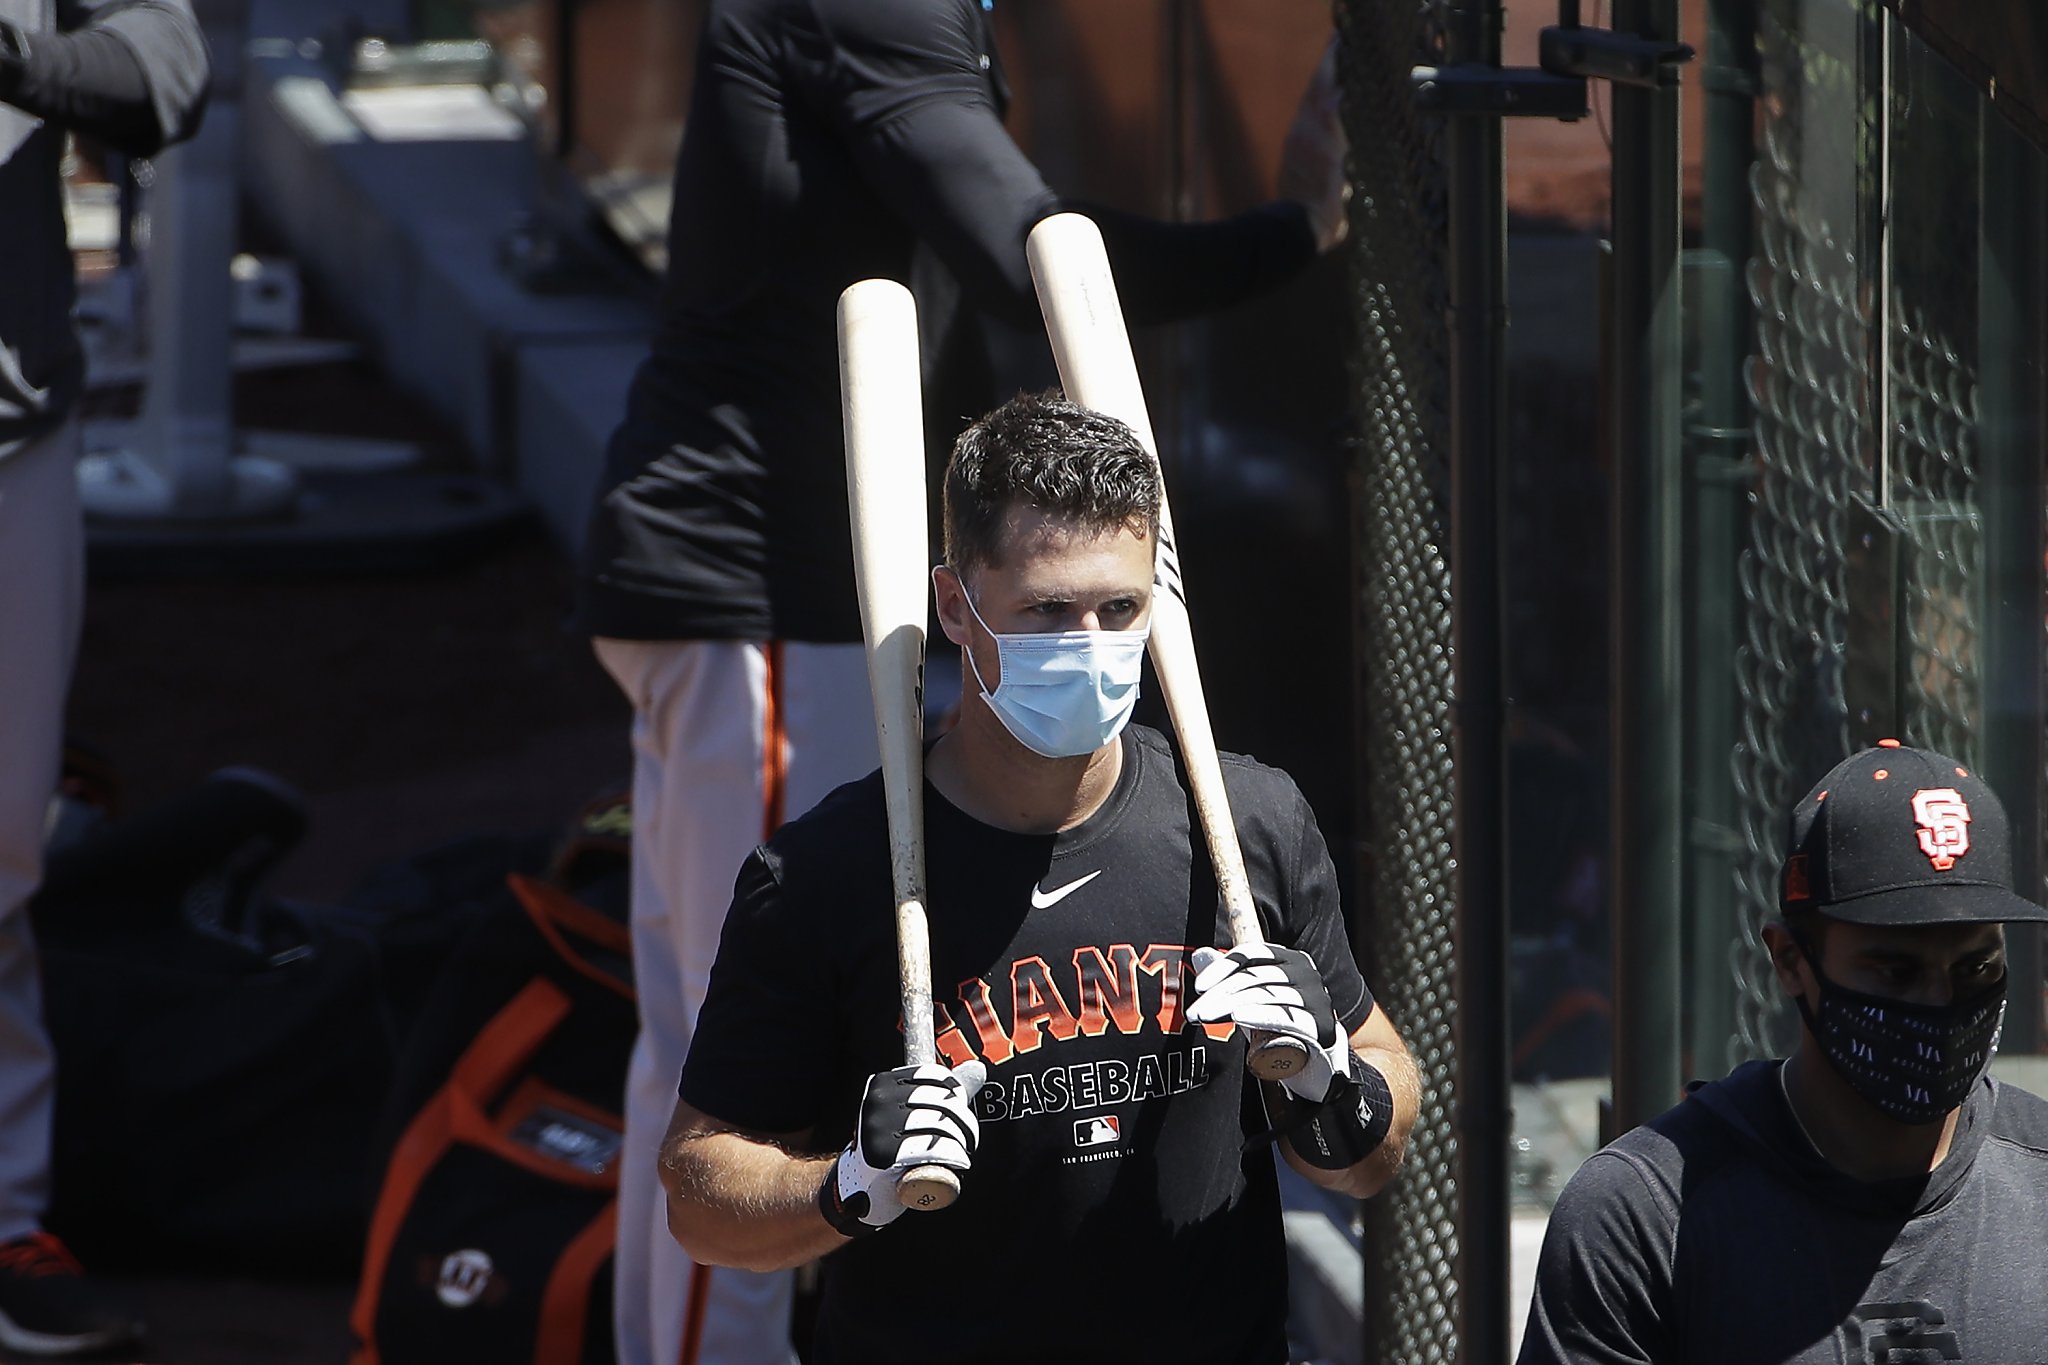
(1349, 1125)
(844, 1217)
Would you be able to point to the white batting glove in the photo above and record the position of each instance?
(1272, 989)
(909, 1117)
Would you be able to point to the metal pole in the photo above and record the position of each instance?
(567, 80)
(185, 467)
(1716, 448)
(1476, 279)
(2010, 496)
(1648, 749)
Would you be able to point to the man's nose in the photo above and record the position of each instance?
(1936, 988)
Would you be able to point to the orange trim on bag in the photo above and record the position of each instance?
(565, 1305)
(561, 906)
(552, 909)
(774, 745)
(501, 1048)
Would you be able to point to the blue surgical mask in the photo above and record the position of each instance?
(1065, 693)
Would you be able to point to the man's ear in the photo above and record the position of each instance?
(951, 598)
(1788, 960)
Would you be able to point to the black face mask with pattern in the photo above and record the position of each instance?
(1915, 1063)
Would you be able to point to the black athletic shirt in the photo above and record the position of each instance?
(1716, 1235)
(1113, 1213)
(825, 138)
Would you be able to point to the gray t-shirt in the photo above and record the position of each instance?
(1716, 1235)
(41, 366)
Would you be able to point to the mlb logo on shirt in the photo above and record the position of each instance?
(1097, 1132)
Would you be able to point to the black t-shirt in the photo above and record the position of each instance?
(1716, 1234)
(825, 139)
(1113, 1212)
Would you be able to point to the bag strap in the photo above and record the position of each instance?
(565, 1305)
(486, 1067)
(556, 914)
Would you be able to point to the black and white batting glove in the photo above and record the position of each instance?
(909, 1117)
(1278, 990)
(1344, 1107)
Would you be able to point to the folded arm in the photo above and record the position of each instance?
(133, 74)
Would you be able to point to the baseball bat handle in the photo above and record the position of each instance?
(1269, 1056)
(1273, 1056)
(923, 1188)
(928, 1188)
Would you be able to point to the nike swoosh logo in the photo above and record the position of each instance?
(1046, 900)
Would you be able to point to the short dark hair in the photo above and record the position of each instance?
(1059, 457)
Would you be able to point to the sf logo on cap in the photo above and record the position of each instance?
(1944, 825)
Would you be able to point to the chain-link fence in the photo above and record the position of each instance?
(1864, 555)
(1810, 385)
(1402, 567)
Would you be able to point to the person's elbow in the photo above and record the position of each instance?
(177, 73)
(705, 1234)
(180, 101)
(1377, 1171)
(708, 1230)
(1362, 1179)
(709, 1239)
(180, 122)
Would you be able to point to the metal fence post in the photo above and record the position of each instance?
(1413, 1295)
(1717, 446)
(2010, 291)
(1644, 369)
(1476, 276)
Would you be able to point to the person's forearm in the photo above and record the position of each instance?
(96, 81)
(736, 1202)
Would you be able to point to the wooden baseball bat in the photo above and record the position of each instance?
(882, 397)
(1077, 293)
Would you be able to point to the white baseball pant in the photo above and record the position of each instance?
(729, 739)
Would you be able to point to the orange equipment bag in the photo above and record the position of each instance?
(492, 1235)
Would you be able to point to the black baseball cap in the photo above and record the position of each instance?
(1898, 836)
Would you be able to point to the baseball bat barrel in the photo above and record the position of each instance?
(1092, 347)
(882, 399)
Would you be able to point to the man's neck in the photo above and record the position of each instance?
(980, 768)
(1851, 1135)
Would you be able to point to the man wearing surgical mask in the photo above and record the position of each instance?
(1091, 1093)
(1877, 1196)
